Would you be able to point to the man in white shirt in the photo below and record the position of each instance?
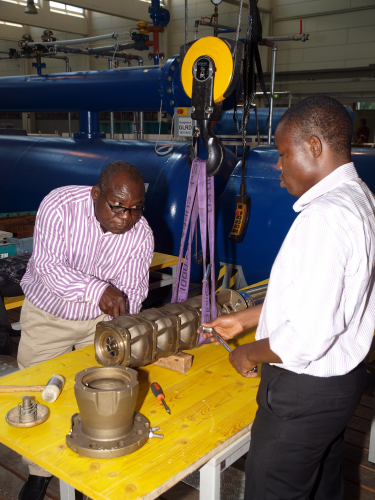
(317, 322)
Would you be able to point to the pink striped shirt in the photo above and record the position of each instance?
(73, 261)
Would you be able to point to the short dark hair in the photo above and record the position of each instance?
(363, 120)
(323, 117)
(113, 168)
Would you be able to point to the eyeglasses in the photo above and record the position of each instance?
(116, 209)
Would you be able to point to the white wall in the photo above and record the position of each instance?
(342, 38)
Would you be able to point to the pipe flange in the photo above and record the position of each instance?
(112, 345)
(171, 88)
(88, 447)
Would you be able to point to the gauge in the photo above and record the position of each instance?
(216, 2)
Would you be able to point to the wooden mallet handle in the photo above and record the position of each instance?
(22, 388)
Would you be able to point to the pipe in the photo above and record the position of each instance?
(72, 42)
(111, 115)
(110, 55)
(141, 114)
(303, 37)
(272, 91)
(67, 68)
(89, 123)
(109, 48)
(214, 25)
(186, 22)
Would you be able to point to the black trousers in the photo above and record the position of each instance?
(298, 435)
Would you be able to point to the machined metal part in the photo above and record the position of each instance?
(254, 295)
(139, 339)
(230, 301)
(107, 425)
(28, 413)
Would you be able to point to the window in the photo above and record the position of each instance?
(12, 24)
(20, 2)
(162, 4)
(69, 10)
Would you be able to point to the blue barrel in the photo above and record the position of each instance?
(33, 166)
(271, 213)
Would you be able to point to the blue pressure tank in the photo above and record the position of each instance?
(227, 125)
(31, 167)
(271, 213)
(125, 89)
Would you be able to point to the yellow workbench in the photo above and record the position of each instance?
(159, 261)
(212, 408)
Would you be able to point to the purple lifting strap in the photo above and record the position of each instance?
(200, 201)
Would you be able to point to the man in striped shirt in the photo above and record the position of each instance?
(91, 258)
(316, 325)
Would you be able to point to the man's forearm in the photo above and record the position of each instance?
(260, 352)
(249, 318)
(245, 357)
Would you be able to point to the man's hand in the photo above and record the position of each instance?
(227, 327)
(230, 325)
(241, 362)
(113, 302)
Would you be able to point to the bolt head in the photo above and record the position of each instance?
(172, 67)
(171, 103)
(169, 78)
(169, 90)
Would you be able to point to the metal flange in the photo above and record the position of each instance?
(78, 442)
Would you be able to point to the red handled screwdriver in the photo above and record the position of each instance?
(158, 393)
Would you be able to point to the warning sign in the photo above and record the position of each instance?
(185, 127)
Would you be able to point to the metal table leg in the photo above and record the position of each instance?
(67, 492)
(209, 488)
(371, 452)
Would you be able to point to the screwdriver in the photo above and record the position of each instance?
(158, 393)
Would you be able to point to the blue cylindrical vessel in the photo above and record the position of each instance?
(33, 166)
(126, 89)
(227, 125)
(271, 213)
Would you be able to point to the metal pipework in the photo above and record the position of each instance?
(107, 426)
(272, 90)
(140, 339)
(303, 37)
(72, 42)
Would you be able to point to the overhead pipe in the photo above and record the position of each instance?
(110, 48)
(285, 38)
(72, 42)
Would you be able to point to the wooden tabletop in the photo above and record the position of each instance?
(211, 406)
(162, 260)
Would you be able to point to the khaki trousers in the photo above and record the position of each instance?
(44, 337)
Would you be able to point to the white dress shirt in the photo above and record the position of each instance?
(319, 312)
